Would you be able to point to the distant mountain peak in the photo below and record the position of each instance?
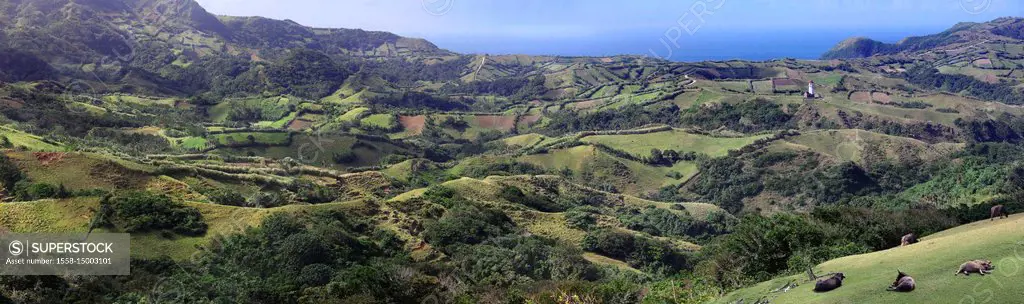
(856, 47)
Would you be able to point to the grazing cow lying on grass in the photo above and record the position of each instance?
(981, 267)
(908, 239)
(830, 284)
(998, 211)
(904, 283)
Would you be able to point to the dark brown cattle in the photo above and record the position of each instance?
(830, 284)
(904, 283)
(908, 239)
(981, 267)
(998, 211)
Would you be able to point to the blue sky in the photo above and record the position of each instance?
(596, 27)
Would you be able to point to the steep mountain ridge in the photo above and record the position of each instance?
(70, 33)
(1006, 28)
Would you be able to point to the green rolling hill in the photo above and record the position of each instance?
(931, 262)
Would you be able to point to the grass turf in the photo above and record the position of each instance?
(931, 262)
(678, 140)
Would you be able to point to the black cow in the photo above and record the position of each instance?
(998, 211)
(908, 239)
(830, 284)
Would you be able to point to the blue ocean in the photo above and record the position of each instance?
(703, 45)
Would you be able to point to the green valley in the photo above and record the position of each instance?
(255, 160)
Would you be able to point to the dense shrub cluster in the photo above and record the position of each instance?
(504, 167)
(518, 88)
(1004, 128)
(308, 73)
(749, 116)
(464, 223)
(146, 212)
(627, 117)
(28, 191)
(10, 174)
(927, 76)
(762, 247)
(678, 224)
(417, 100)
(801, 177)
(640, 252)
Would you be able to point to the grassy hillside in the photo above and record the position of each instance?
(863, 146)
(75, 215)
(627, 176)
(553, 224)
(18, 138)
(678, 140)
(931, 262)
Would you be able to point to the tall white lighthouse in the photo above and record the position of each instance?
(810, 89)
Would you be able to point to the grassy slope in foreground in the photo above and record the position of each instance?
(931, 262)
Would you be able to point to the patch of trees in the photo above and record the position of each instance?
(416, 100)
(913, 105)
(466, 223)
(308, 73)
(664, 222)
(846, 67)
(500, 87)
(407, 72)
(320, 257)
(10, 174)
(267, 198)
(261, 32)
(668, 157)
(310, 192)
(582, 217)
(48, 114)
(762, 247)
(751, 116)
(725, 182)
(1013, 30)
(659, 222)
(508, 261)
(223, 196)
(138, 211)
(981, 171)
(132, 143)
(641, 252)
(925, 131)
(506, 168)
(18, 66)
(515, 195)
(1004, 128)
(627, 117)
(745, 71)
(801, 177)
(29, 191)
(929, 77)
(453, 123)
